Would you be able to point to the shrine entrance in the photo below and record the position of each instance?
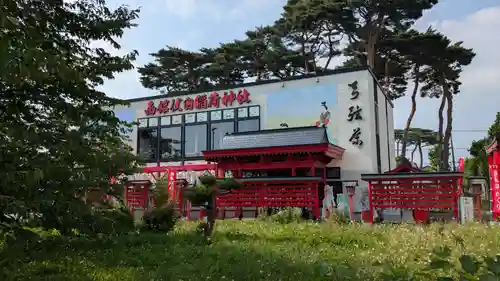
(180, 176)
(279, 168)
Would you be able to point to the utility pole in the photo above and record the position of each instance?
(453, 153)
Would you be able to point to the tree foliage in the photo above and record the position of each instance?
(204, 195)
(162, 217)
(417, 51)
(418, 138)
(58, 134)
(477, 164)
(445, 74)
(306, 38)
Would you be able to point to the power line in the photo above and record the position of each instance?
(430, 147)
(465, 131)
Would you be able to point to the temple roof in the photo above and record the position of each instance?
(405, 166)
(493, 146)
(276, 137)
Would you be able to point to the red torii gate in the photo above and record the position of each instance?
(170, 172)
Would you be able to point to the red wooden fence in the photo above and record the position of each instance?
(270, 192)
(414, 195)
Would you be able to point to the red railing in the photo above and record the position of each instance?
(418, 195)
(291, 192)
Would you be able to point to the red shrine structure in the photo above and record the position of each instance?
(287, 168)
(279, 168)
(286, 162)
(407, 187)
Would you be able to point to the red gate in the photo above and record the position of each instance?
(421, 192)
(172, 174)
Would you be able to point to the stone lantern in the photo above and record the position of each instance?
(350, 187)
(477, 186)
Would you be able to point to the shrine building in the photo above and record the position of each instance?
(340, 121)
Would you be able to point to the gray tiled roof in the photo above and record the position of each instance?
(277, 137)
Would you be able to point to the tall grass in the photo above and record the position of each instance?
(258, 250)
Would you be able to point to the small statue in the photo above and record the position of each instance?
(324, 117)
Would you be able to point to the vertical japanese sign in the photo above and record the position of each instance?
(461, 164)
(493, 160)
(355, 115)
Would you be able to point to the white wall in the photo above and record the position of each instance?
(356, 159)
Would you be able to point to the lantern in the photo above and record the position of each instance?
(477, 185)
(351, 190)
(350, 187)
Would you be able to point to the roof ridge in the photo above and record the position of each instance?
(277, 130)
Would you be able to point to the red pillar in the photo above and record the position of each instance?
(370, 203)
(324, 192)
(494, 162)
(220, 173)
(455, 205)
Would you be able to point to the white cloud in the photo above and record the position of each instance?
(182, 8)
(478, 31)
(219, 10)
(477, 103)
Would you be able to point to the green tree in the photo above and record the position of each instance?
(416, 49)
(204, 195)
(373, 17)
(265, 55)
(477, 164)
(175, 69)
(398, 138)
(58, 134)
(162, 217)
(421, 138)
(313, 29)
(433, 159)
(444, 74)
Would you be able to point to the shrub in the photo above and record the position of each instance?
(160, 219)
(287, 215)
(338, 217)
(471, 268)
(111, 222)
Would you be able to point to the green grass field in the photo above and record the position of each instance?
(256, 250)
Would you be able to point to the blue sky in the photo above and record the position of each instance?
(299, 101)
(193, 24)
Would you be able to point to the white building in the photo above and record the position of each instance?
(175, 128)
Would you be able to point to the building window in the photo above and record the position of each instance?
(254, 111)
(143, 122)
(165, 120)
(195, 140)
(147, 144)
(249, 125)
(216, 115)
(202, 117)
(218, 131)
(170, 143)
(153, 122)
(228, 114)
